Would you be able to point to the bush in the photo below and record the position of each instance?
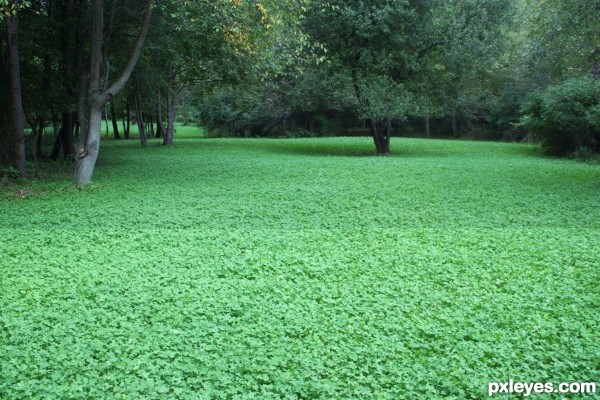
(564, 117)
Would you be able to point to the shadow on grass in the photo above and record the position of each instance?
(400, 147)
(359, 147)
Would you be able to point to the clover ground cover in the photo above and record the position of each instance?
(301, 269)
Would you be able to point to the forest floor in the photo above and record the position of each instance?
(300, 269)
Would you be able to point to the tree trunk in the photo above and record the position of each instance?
(139, 115)
(388, 136)
(454, 125)
(113, 116)
(124, 123)
(127, 120)
(105, 118)
(96, 96)
(88, 154)
(168, 136)
(39, 141)
(64, 139)
(381, 133)
(151, 125)
(160, 129)
(16, 94)
(427, 127)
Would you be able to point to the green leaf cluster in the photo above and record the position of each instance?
(565, 117)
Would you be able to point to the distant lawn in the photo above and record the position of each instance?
(182, 131)
(301, 269)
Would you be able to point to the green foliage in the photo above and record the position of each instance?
(565, 117)
(271, 270)
(564, 40)
(10, 173)
(10, 7)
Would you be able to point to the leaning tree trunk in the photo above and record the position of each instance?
(168, 136)
(16, 94)
(97, 95)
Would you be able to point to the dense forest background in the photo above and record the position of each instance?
(487, 69)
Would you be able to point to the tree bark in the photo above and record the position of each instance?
(16, 94)
(64, 138)
(97, 96)
(160, 129)
(126, 120)
(381, 133)
(113, 116)
(168, 136)
(151, 126)
(139, 115)
(39, 141)
(454, 125)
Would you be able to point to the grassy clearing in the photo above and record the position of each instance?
(302, 269)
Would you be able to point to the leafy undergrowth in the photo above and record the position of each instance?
(302, 269)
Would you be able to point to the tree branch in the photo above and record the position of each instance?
(135, 54)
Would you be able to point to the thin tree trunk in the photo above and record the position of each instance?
(427, 127)
(105, 114)
(160, 129)
(39, 141)
(113, 116)
(139, 114)
(168, 136)
(454, 125)
(64, 138)
(123, 122)
(16, 94)
(128, 117)
(151, 125)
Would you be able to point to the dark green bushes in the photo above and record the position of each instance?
(565, 117)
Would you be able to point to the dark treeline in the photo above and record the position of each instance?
(507, 70)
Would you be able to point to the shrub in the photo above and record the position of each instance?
(564, 117)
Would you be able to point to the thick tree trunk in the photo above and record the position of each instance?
(113, 116)
(16, 95)
(88, 154)
(168, 136)
(160, 129)
(96, 95)
(381, 133)
(427, 127)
